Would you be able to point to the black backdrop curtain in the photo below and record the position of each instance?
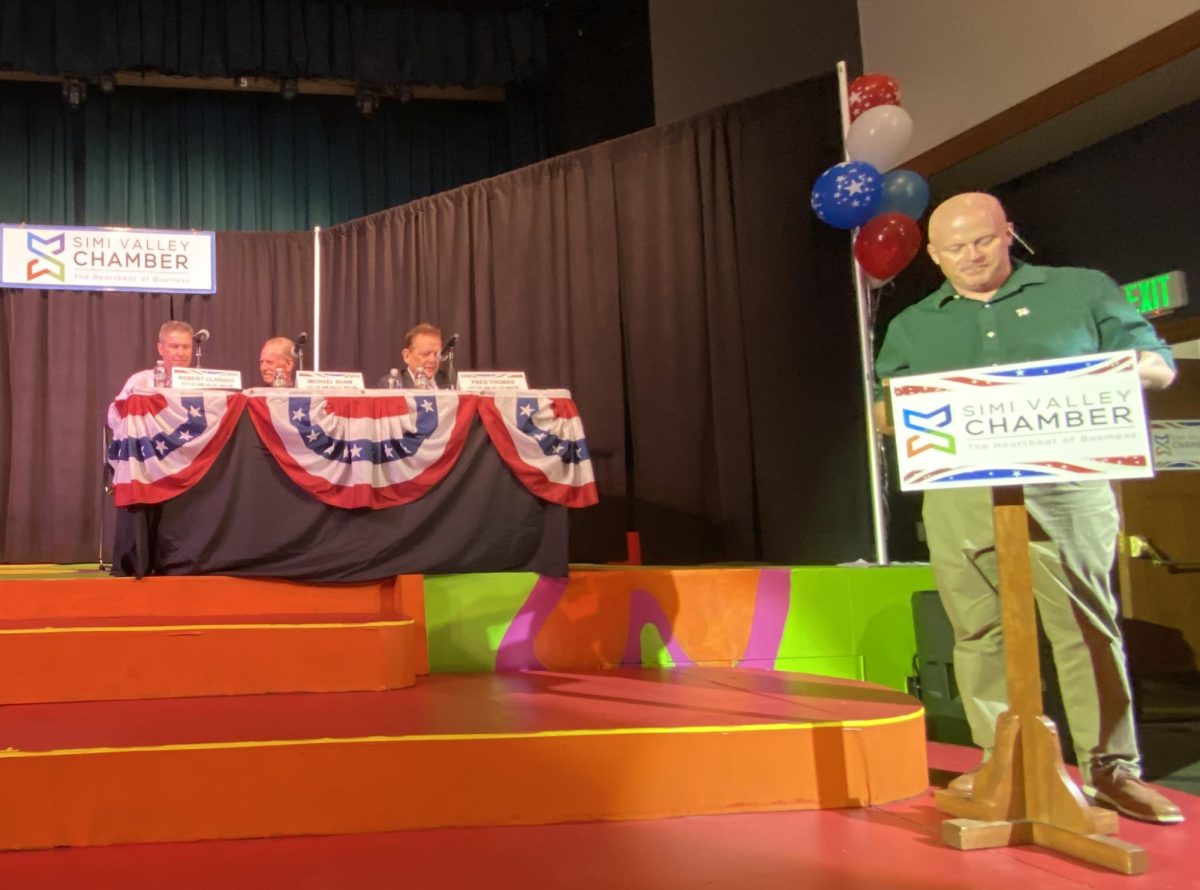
(396, 42)
(232, 161)
(65, 355)
(676, 281)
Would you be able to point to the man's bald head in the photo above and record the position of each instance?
(969, 239)
(278, 356)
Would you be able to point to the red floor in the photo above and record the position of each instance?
(895, 846)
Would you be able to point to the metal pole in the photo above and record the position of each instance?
(862, 295)
(316, 331)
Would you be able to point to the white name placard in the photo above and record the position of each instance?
(1176, 444)
(330, 380)
(83, 258)
(205, 378)
(492, 381)
(1023, 424)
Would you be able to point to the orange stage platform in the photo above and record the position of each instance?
(454, 750)
(175, 709)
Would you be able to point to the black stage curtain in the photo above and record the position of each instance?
(676, 281)
(399, 42)
(63, 355)
(180, 159)
(247, 517)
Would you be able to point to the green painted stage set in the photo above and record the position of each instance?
(849, 622)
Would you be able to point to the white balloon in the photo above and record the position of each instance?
(879, 136)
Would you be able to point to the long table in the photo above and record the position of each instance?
(246, 515)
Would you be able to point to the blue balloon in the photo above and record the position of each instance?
(904, 192)
(847, 195)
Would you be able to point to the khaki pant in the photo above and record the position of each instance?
(1073, 533)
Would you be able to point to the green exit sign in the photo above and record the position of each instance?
(1154, 296)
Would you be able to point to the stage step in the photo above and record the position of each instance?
(531, 747)
(82, 659)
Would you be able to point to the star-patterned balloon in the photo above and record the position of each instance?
(847, 195)
(871, 90)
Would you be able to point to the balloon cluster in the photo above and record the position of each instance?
(861, 194)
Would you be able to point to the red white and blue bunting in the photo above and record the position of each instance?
(540, 437)
(163, 446)
(364, 451)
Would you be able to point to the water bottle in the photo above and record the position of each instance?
(421, 379)
(280, 379)
(160, 375)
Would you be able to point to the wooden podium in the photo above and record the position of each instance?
(1023, 794)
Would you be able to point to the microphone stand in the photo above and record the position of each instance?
(299, 353)
(451, 374)
(199, 351)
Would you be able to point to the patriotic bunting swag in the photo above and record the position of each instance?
(352, 451)
(361, 451)
(540, 437)
(162, 447)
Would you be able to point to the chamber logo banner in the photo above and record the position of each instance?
(77, 258)
(1022, 424)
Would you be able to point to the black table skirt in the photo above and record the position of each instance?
(247, 518)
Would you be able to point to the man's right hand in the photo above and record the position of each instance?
(883, 418)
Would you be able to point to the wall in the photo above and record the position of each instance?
(961, 63)
(712, 52)
(835, 621)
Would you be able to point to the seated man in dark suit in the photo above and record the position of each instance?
(422, 356)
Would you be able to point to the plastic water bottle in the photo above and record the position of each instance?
(421, 379)
(160, 375)
(280, 379)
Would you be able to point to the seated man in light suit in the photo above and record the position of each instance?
(422, 356)
(175, 340)
(277, 358)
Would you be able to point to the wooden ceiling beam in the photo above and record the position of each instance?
(257, 83)
(1163, 46)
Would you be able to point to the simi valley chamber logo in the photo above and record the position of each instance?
(79, 258)
(929, 427)
(45, 262)
(1053, 420)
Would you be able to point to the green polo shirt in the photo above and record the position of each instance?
(1040, 312)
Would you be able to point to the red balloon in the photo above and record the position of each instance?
(886, 244)
(871, 90)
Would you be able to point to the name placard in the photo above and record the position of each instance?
(492, 381)
(1176, 444)
(330, 380)
(1023, 424)
(92, 258)
(205, 378)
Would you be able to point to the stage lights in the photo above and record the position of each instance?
(367, 101)
(74, 90)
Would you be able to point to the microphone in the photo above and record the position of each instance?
(302, 338)
(201, 335)
(448, 347)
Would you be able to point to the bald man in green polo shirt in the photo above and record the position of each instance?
(990, 312)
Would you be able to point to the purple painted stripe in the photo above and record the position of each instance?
(771, 602)
(516, 651)
(644, 609)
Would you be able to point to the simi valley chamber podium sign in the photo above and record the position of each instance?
(1047, 421)
(78, 258)
(1005, 427)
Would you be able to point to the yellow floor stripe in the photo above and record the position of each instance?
(13, 753)
(151, 628)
